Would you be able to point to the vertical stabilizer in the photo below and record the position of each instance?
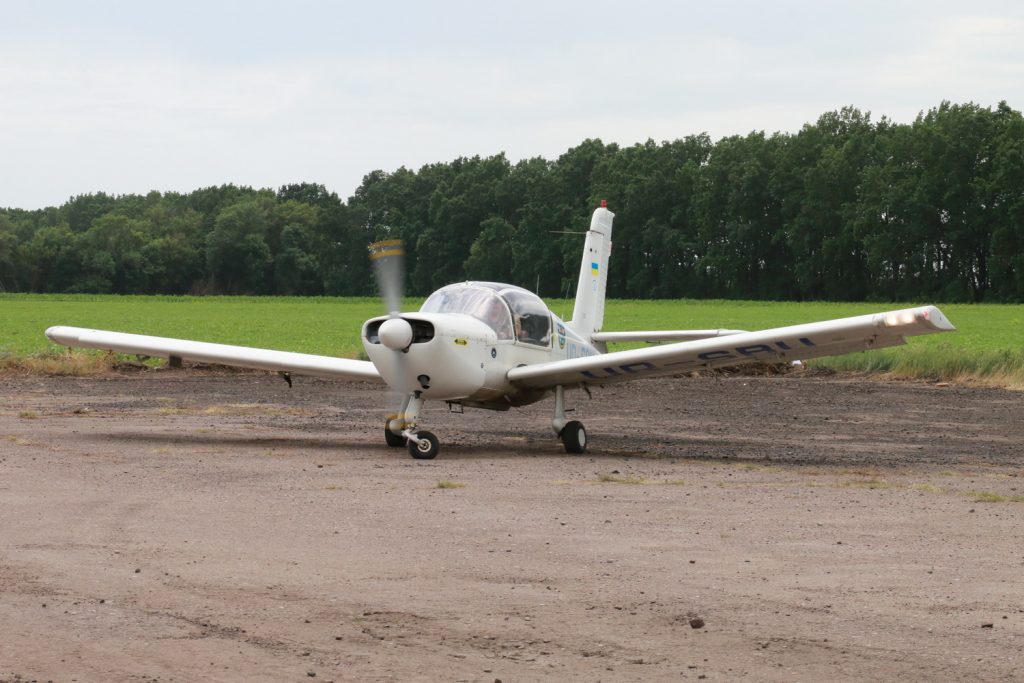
(588, 314)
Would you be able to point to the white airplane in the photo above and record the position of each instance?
(496, 346)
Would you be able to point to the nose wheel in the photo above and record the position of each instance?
(400, 430)
(423, 446)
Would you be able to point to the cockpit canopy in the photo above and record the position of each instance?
(508, 310)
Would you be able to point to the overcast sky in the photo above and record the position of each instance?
(127, 97)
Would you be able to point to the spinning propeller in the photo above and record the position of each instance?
(387, 257)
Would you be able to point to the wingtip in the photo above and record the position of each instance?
(920, 320)
(60, 334)
(937, 319)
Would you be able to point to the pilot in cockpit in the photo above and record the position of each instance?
(494, 313)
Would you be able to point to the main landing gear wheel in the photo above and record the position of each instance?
(574, 437)
(427, 448)
(392, 439)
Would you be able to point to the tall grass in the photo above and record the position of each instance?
(61, 363)
(999, 367)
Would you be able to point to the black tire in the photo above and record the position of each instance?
(574, 437)
(427, 448)
(392, 439)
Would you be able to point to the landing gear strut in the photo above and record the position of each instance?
(399, 430)
(572, 434)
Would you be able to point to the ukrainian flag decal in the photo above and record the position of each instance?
(593, 268)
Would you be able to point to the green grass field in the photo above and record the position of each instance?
(989, 343)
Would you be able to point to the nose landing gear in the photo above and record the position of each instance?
(399, 430)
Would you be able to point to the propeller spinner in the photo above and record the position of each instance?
(396, 334)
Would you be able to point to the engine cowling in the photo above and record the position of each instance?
(444, 358)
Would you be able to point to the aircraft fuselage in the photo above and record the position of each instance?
(464, 357)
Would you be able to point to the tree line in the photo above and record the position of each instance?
(845, 209)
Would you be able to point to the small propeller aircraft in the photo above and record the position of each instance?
(496, 346)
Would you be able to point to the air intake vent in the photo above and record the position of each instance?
(422, 331)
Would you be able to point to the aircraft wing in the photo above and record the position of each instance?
(222, 354)
(796, 342)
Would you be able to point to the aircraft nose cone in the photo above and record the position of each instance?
(395, 333)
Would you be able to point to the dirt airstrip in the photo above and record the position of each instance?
(193, 525)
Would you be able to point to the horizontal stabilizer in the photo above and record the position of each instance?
(654, 336)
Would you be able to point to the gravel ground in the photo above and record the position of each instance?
(192, 525)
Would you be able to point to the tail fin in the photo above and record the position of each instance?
(588, 314)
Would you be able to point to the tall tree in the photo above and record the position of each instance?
(237, 256)
(844, 209)
(1003, 194)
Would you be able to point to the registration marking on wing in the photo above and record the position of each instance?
(739, 352)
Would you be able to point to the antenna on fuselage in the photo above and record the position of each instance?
(565, 298)
(568, 287)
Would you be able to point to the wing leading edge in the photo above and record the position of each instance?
(222, 354)
(796, 342)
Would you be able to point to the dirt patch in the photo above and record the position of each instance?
(190, 525)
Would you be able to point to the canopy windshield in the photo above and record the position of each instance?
(506, 309)
(482, 303)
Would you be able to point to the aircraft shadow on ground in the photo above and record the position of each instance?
(498, 445)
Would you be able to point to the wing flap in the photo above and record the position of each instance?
(221, 354)
(796, 342)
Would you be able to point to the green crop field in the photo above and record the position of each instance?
(328, 326)
(989, 342)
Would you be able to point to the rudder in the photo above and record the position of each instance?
(588, 312)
